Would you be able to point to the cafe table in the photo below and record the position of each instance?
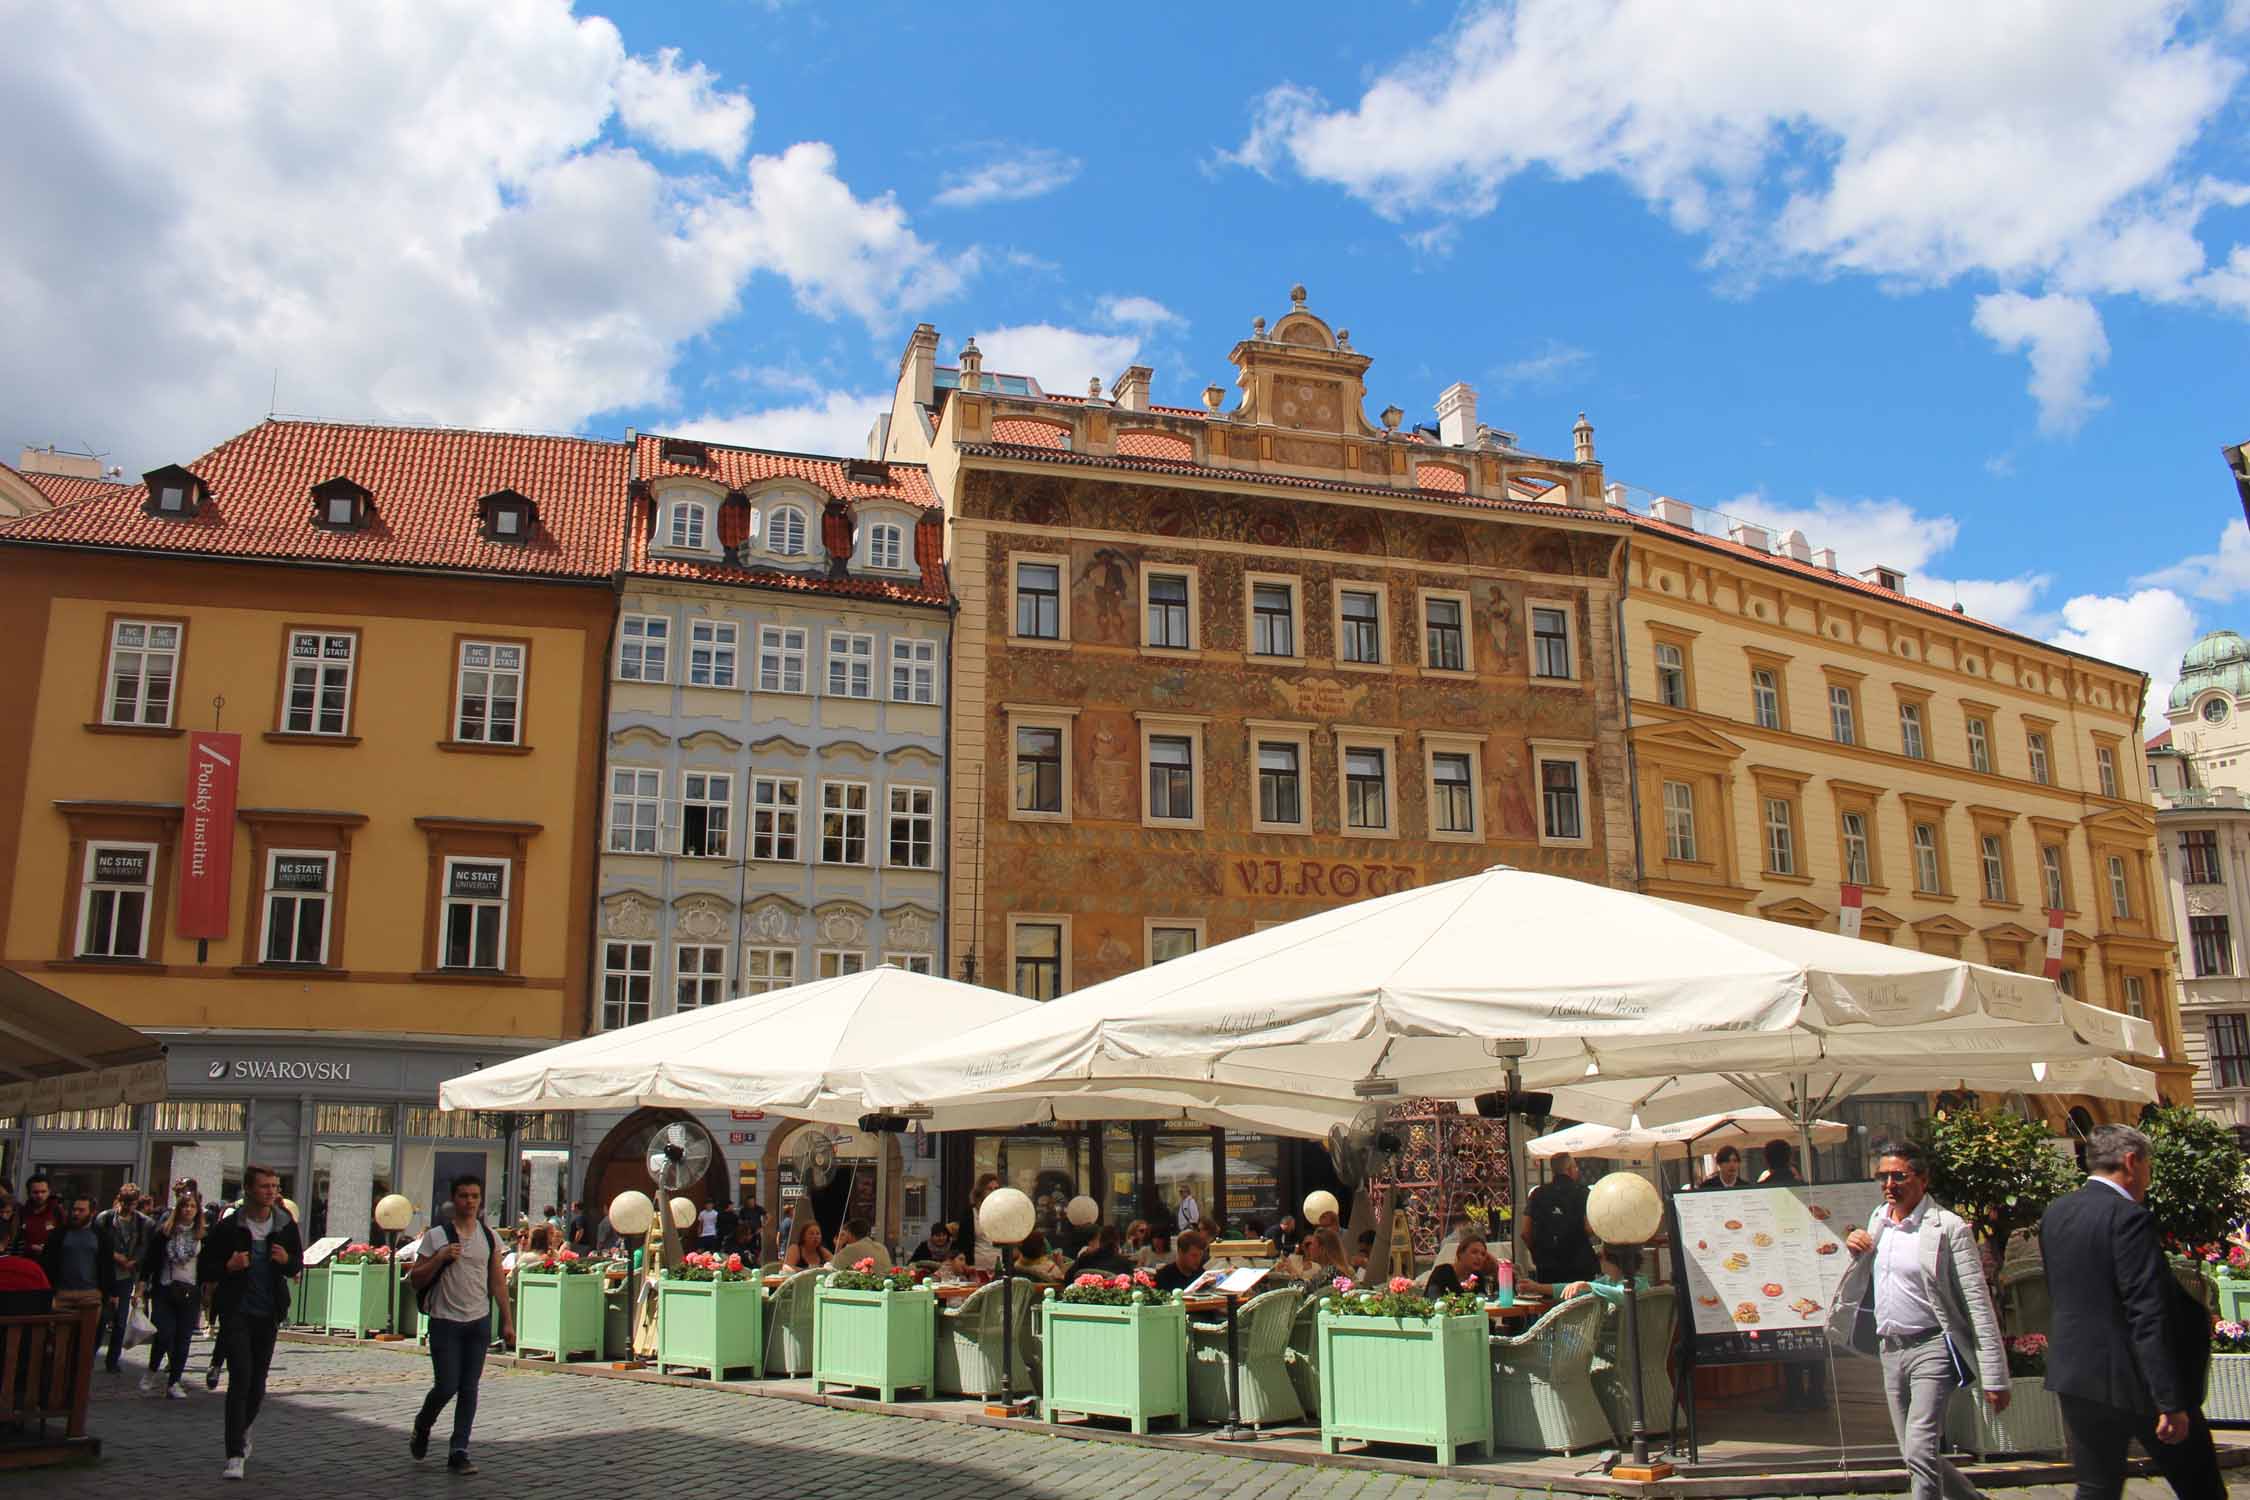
(1513, 1319)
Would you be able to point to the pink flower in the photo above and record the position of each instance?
(1341, 1284)
(1089, 1278)
(1401, 1284)
(866, 1264)
(566, 1256)
(1121, 1283)
(1468, 1281)
(734, 1262)
(1143, 1278)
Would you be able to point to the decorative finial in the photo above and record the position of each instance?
(1093, 388)
(1392, 416)
(1343, 338)
(1213, 397)
(1257, 328)
(1297, 296)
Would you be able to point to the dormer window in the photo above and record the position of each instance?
(686, 451)
(685, 525)
(886, 545)
(174, 493)
(172, 499)
(341, 505)
(785, 531)
(508, 516)
(342, 510)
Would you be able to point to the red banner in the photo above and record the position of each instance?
(1847, 919)
(207, 832)
(2053, 969)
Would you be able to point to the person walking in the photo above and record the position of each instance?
(457, 1277)
(2129, 1349)
(128, 1240)
(251, 1257)
(78, 1262)
(168, 1266)
(1916, 1265)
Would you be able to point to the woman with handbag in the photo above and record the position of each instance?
(168, 1270)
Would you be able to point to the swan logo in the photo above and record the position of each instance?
(219, 1069)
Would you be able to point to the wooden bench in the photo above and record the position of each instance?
(46, 1377)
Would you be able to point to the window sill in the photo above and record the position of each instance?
(1785, 879)
(851, 698)
(1039, 642)
(1018, 816)
(1945, 896)
(1549, 842)
(1462, 836)
(1537, 680)
(1385, 834)
(1293, 830)
(288, 971)
(1267, 659)
(479, 747)
(150, 731)
(1173, 653)
(645, 681)
(297, 737)
(1987, 901)
(1365, 666)
(466, 976)
(91, 961)
(631, 854)
(1184, 825)
(1452, 674)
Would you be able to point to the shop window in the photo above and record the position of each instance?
(348, 1180)
(644, 644)
(913, 670)
(1273, 617)
(352, 1119)
(781, 658)
(699, 975)
(144, 665)
(198, 1117)
(843, 822)
(636, 809)
(1037, 957)
(851, 665)
(299, 886)
(911, 830)
(318, 697)
(712, 650)
(775, 810)
(476, 914)
(768, 969)
(488, 693)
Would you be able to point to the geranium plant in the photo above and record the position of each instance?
(361, 1255)
(863, 1277)
(2229, 1337)
(563, 1263)
(2027, 1354)
(1114, 1291)
(705, 1265)
(1398, 1298)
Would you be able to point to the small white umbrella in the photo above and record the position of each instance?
(1683, 1138)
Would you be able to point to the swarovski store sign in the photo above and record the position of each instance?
(282, 1069)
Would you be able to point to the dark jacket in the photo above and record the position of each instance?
(105, 1257)
(1561, 1248)
(2125, 1332)
(1109, 1264)
(225, 1239)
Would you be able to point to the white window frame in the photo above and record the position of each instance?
(1435, 744)
(838, 963)
(87, 887)
(1781, 834)
(924, 816)
(1992, 866)
(649, 645)
(687, 525)
(2120, 889)
(1179, 727)
(708, 984)
(1857, 848)
(1843, 714)
(848, 816)
(1017, 562)
(766, 842)
(1576, 755)
(491, 671)
(782, 650)
(911, 963)
(326, 673)
(886, 546)
(2039, 756)
(447, 901)
(1563, 607)
(790, 517)
(1913, 740)
(1295, 588)
(1929, 867)
(714, 652)
(1298, 737)
(716, 792)
(848, 669)
(1061, 720)
(765, 970)
(1194, 927)
(1423, 599)
(326, 896)
(1679, 820)
(1350, 738)
(641, 801)
(1765, 697)
(1150, 572)
(627, 972)
(1384, 656)
(139, 712)
(914, 662)
(1017, 921)
(1671, 669)
(1979, 732)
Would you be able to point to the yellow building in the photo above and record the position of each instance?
(1797, 730)
(405, 633)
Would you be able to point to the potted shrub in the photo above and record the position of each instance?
(1995, 1169)
(559, 1305)
(874, 1331)
(710, 1316)
(2033, 1421)
(2228, 1397)
(1113, 1346)
(2198, 1190)
(358, 1293)
(1399, 1367)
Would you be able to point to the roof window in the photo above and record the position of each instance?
(508, 516)
(341, 505)
(174, 493)
(685, 451)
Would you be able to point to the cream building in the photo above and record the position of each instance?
(1798, 731)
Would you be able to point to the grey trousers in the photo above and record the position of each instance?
(1918, 1382)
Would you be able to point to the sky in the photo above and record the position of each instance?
(1961, 289)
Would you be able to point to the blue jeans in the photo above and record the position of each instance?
(173, 1306)
(456, 1365)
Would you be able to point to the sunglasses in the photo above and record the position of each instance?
(1894, 1176)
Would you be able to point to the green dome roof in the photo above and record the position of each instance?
(2219, 660)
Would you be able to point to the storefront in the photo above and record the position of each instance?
(344, 1121)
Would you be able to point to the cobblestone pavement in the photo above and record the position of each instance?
(336, 1420)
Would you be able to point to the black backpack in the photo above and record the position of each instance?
(1550, 1222)
(453, 1237)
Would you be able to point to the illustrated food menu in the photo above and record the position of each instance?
(1763, 1265)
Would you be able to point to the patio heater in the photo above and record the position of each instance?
(1625, 1211)
(1006, 1217)
(391, 1216)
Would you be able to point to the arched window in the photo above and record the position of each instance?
(685, 526)
(785, 531)
(886, 545)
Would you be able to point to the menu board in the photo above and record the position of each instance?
(1761, 1266)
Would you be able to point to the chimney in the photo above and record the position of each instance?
(1794, 544)
(1615, 495)
(1884, 577)
(918, 365)
(1130, 393)
(972, 365)
(1750, 534)
(1825, 558)
(1673, 512)
(1457, 415)
(1582, 440)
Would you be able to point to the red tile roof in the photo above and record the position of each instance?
(426, 482)
(1448, 477)
(1147, 444)
(739, 468)
(2162, 740)
(1033, 433)
(68, 489)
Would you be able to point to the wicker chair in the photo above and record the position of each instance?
(969, 1340)
(789, 1326)
(1613, 1381)
(2025, 1306)
(1303, 1355)
(1262, 1328)
(770, 1268)
(1542, 1387)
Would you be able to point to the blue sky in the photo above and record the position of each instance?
(1951, 288)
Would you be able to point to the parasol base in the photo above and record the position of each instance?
(1646, 1473)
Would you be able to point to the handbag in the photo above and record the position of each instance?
(138, 1329)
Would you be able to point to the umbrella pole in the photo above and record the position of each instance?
(1516, 1165)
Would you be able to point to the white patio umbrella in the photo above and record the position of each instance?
(1679, 1140)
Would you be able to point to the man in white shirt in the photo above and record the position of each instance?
(457, 1276)
(707, 1228)
(856, 1245)
(1191, 1212)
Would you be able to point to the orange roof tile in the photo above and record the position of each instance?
(1146, 444)
(68, 489)
(1034, 433)
(738, 468)
(2161, 740)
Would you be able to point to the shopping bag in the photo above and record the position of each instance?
(138, 1329)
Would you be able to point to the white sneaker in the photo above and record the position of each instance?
(175, 1393)
(148, 1382)
(233, 1470)
(246, 1443)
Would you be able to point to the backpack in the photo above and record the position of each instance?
(1550, 1222)
(453, 1237)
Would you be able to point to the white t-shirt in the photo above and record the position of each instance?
(461, 1292)
(707, 1222)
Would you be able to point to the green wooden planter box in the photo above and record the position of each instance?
(409, 1306)
(359, 1299)
(2228, 1399)
(883, 1341)
(1386, 1380)
(2231, 1299)
(310, 1305)
(559, 1315)
(617, 1319)
(717, 1327)
(1128, 1362)
(2032, 1424)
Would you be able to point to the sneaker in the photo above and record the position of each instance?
(148, 1382)
(233, 1470)
(211, 1378)
(175, 1393)
(246, 1443)
(419, 1444)
(461, 1463)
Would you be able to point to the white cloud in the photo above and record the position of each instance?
(2221, 576)
(1062, 360)
(1009, 177)
(1136, 312)
(840, 252)
(2147, 629)
(2066, 343)
(836, 424)
(1553, 362)
(679, 109)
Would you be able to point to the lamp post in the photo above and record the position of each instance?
(1625, 1211)
(631, 1213)
(1006, 1217)
(391, 1216)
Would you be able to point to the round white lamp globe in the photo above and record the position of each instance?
(1006, 1216)
(631, 1213)
(683, 1213)
(1320, 1205)
(1624, 1209)
(393, 1211)
(1083, 1211)
(291, 1205)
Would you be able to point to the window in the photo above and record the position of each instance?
(2136, 1003)
(340, 510)
(1036, 950)
(1167, 612)
(1359, 626)
(1842, 714)
(1367, 800)
(2051, 877)
(785, 531)
(1550, 642)
(628, 978)
(1281, 784)
(320, 682)
(2214, 948)
(2199, 851)
(1671, 675)
(699, 975)
(843, 822)
(851, 665)
(886, 545)
(636, 807)
(912, 828)
(2120, 890)
(476, 914)
(1445, 641)
(1679, 820)
(911, 963)
(1171, 778)
(644, 648)
(1559, 799)
(1039, 768)
(172, 499)
(1995, 861)
(711, 652)
(113, 902)
(1910, 741)
(2067, 982)
(1781, 836)
(835, 963)
(767, 969)
(1039, 600)
(1765, 698)
(913, 670)
(1167, 943)
(685, 528)
(2036, 743)
(1453, 792)
(297, 895)
(489, 699)
(2230, 1051)
(706, 814)
(781, 658)
(1273, 619)
(1980, 746)
(144, 662)
(2105, 769)
(1928, 875)
(1858, 868)
(775, 803)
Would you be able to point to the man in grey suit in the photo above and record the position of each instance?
(1916, 1265)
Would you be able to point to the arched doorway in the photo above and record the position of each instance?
(621, 1162)
(867, 1182)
